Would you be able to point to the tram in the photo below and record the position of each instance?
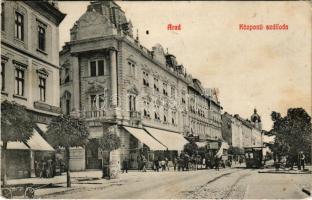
(254, 157)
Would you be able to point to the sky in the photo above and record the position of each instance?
(266, 70)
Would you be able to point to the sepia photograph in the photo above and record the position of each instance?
(156, 99)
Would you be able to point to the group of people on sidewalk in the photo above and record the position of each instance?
(45, 168)
(184, 162)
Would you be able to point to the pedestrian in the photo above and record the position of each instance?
(139, 160)
(217, 163)
(167, 163)
(156, 164)
(144, 163)
(36, 168)
(302, 160)
(204, 163)
(49, 168)
(174, 162)
(125, 165)
(163, 165)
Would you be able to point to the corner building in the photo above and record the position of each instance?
(30, 75)
(118, 85)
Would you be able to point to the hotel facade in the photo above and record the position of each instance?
(142, 95)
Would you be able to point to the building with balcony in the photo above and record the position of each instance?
(30, 72)
(118, 85)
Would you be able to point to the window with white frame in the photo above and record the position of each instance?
(146, 111)
(19, 26)
(173, 117)
(19, 81)
(145, 79)
(98, 101)
(42, 89)
(156, 87)
(41, 36)
(132, 69)
(172, 91)
(99, 68)
(165, 92)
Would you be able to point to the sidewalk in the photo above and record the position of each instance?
(308, 170)
(85, 179)
(57, 184)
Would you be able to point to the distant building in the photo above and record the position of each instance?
(241, 133)
(30, 73)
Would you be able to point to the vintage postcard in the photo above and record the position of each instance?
(156, 100)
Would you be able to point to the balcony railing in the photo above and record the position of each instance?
(95, 114)
(134, 115)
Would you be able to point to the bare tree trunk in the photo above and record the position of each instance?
(67, 168)
(108, 166)
(5, 144)
(105, 167)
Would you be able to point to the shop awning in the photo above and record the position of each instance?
(173, 141)
(43, 127)
(145, 138)
(16, 145)
(36, 142)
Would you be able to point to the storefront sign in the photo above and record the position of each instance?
(213, 145)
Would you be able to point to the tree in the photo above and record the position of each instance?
(191, 148)
(109, 142)
(67, 131)
(16, 126)
(292, 134)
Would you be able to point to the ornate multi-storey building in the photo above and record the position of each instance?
(30, 72)
(118, 85)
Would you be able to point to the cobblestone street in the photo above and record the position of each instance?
(225, 184)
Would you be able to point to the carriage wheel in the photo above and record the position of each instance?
(7, 193)
(30, 192)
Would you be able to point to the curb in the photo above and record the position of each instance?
(308, 192)
(281, 172)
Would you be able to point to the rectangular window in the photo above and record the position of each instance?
(165, 89)
(2, 17)
(42, 89)
(19, 26)
(101, 67)
(101, 101)
(41, 37)
(145, 79)
(93, 68)
(19, 82)
(132, 69)
(2, 76)
(172, 92)
(67, 111)
(66, 75)
(156, 85)
(98, 68)
(93, 102)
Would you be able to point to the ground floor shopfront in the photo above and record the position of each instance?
(137, 145)
(22, 159)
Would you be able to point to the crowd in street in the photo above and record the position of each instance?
(184, 162)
